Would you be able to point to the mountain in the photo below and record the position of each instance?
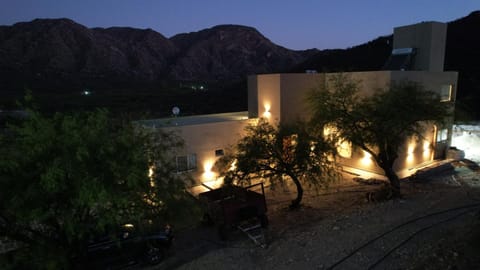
(230, 52)
(60, 53)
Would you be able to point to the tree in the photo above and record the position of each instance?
(379, 124)
(66, 178)
(277, 154)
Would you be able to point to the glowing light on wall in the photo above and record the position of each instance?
(426, 146)
(426, 150)
(367, 159)
(410, 149)
(207, 171)
(267, 113)
(233, 166)
(210, 178)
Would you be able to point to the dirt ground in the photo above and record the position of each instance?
(434, 226)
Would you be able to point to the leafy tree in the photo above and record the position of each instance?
(379, 124)
(278, 154)
(66, 178)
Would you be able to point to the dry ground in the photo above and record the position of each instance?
(331, 226)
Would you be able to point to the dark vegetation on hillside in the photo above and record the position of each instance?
(463, 55)
(369, 56)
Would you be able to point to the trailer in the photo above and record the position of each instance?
(237, 207)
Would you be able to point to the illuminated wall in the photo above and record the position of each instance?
(416, 152)
(264, 97)
(281, 97)
(207, 142)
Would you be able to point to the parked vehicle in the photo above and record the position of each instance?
(129, 246)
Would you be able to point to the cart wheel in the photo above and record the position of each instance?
(223, 232)
(154, 255)
(263, 221)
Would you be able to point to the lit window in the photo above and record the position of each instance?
(186, 163)
(446, 92)
(442, 135)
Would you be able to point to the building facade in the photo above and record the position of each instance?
(417, 56)
(281, 99)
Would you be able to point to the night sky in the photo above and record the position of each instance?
(292, 24)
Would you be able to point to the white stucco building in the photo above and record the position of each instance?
(418, 55)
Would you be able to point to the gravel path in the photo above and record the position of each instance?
(334, 223)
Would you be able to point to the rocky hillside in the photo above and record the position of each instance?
(60, 52)
(230, 52)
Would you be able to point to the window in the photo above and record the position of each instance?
(401, 59)
(186, 163)
(219, 152)
(442, 135)
(446, 92)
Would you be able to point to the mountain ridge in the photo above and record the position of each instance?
(130, 55)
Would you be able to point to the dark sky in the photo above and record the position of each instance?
(292, 24)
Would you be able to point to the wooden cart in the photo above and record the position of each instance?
(237, 207)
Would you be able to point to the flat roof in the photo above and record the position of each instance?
(194, 120)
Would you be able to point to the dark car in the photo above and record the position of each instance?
(129, 246)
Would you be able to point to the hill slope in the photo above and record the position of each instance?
(60, 52)
(230, 52)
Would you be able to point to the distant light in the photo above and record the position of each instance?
(86, 93)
